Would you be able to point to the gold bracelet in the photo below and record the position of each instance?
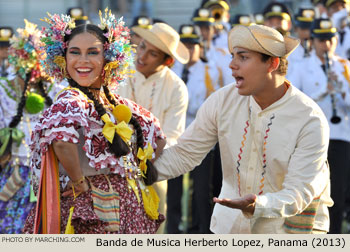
(79, 181)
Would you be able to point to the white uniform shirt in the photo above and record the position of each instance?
(222, 59)
(197, 90)
(221, 40)
(343, 49)
(310, 78)
(294, 59)
(296, 152)
(164, 94)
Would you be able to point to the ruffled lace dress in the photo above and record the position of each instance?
(73, 118)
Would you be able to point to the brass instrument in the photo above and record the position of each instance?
(217, 14)
(335, 118)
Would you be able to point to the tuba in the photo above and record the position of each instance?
(335, 118)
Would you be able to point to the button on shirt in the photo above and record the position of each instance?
(310, 78)
(164, 94)
(292, 133)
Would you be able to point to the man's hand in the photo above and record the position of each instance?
(246, 203)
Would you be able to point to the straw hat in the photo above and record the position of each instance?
(165, 38)
(263, 39)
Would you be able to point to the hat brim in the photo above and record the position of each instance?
(181, 53)
(241, 36)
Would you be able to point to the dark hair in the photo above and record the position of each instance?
(16, 119)
(118, 147)
(282, 68)
(44, 93)
(90, 28)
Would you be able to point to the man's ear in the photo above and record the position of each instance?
(169, 61)
(274, 64)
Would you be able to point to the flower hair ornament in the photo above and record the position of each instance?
(117, 48)
(54, 45)
(26, 53)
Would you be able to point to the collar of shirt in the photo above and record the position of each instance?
(256, 109)
(157, 75)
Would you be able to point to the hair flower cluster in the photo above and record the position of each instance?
(25, 52)
(54, 45)
(118, 52)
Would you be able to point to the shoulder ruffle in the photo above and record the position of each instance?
(72, 113)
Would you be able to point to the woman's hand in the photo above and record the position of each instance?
(246, 203)
(79, 188)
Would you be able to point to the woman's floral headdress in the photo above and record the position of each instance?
(117, 49)
(54, 45)
(25, 52)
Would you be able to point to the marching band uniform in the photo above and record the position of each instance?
(303, 20)
(220, 11)
(219, 55)
(310, 77)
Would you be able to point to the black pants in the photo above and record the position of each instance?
(207, 180)
(339, 164)
(173, 201)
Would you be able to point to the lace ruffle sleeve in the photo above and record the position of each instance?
(60, 121)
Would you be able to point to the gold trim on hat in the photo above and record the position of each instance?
(189, 36)
(305, 19)
(331, 30)
(145, 26)
(283, 15)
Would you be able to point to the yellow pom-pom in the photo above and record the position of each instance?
(122, 113)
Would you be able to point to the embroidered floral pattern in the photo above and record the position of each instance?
(73, 111)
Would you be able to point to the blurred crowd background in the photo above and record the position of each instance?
(174, 12)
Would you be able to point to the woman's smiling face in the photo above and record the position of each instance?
(85, 60)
